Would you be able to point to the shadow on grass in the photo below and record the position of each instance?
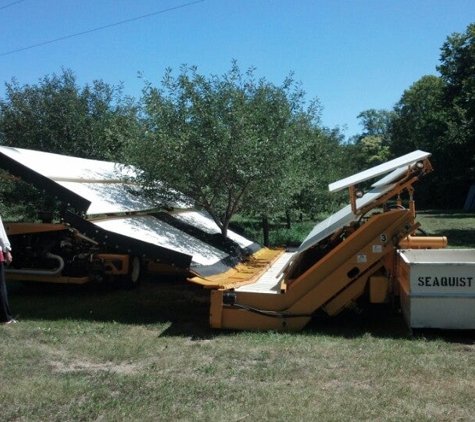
(184, 308)
(180, 304)
(458, 237)
(455, 215)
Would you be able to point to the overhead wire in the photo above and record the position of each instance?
(11, 4)
(100, 27)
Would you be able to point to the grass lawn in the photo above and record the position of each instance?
(89, 353)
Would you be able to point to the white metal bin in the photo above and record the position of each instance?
(437, 287)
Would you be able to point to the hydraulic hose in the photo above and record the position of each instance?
(271, 314)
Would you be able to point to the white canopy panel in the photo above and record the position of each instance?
(110, 198)
(405, 160)
(341, 218)
(391, 177)
(99, 187)
(66, 168)
(104, 184)
(398, 169)
(152, 230)
(203, 221)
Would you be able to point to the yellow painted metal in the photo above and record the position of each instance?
(48, 278)
(244, 273)
(378, 288)
(356, 258)
(423, 242)
(27, 228)
(115, 264)
(331, 275)
(346, 298)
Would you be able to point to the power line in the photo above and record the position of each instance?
(99, 28)
(11, 4)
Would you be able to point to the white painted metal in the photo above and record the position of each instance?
(398, 168)
(110, 189)
(405, 160)
(391, 177)
(110, 198)
(440, 288)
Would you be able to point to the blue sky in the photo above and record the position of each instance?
(352, 54)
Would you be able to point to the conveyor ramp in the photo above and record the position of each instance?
(332, 267)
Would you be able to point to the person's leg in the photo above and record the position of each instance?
(5, 314)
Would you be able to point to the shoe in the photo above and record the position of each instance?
(12, 321)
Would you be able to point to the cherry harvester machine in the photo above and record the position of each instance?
(369, 251)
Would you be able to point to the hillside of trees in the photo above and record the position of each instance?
(238, 144)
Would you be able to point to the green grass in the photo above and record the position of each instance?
(458, 226)
(89, 353)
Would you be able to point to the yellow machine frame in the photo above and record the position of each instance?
(364, 259)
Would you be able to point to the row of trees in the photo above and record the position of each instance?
(235, 143)
(231, 143)
(435, 114)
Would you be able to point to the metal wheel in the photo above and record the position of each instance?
(134, 275)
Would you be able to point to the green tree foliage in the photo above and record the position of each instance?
(420, 118)
(323, 160)
(227, 142)
(371, 147)
(437, 114)
(457, 69)
(58, 116)
(420, 122)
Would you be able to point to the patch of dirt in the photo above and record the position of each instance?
(83, 366)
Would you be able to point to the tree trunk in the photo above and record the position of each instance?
(265, 230)
(224, 230)
(287, 217)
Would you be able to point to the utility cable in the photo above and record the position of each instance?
(100, 28)
(11, 4)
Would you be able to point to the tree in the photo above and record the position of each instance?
(58, 116)
(226, 142)
(437, 114)
(323, 161)
(371, 147)
(457, 70)
(420, 122)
